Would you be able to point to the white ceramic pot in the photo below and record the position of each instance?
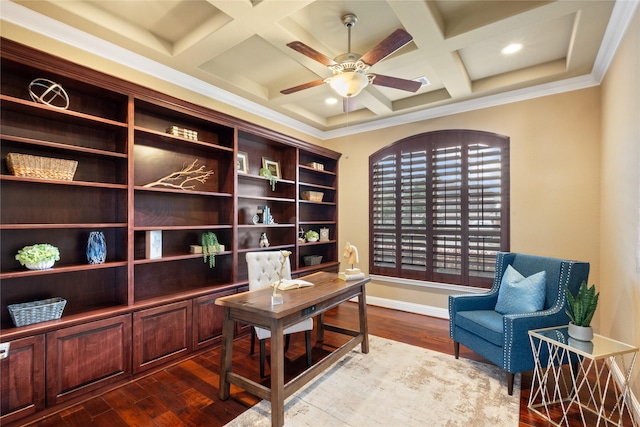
(581, 333)
(586, 346)
(42, 265)
(312, 239)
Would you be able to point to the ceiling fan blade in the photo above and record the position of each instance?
(302, 87)
(396, 83)
(348, 104)
(311, 53)
(386, 47)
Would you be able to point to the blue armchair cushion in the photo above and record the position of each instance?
(519, 294)
(488, 324)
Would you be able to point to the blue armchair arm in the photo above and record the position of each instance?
(517, 349)
(486, 301)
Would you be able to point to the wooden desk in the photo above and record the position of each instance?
(254, 308)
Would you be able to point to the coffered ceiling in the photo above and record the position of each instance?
(239, 48)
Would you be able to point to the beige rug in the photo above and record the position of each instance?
(397, 384)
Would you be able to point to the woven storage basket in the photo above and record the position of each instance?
(312, 259)
(312, 196)
(38, 311)
(41, 167)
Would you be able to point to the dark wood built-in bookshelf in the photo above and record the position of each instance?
(132, 314)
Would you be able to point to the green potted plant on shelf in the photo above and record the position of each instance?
(210, 247)
(272, 179)
(38, 257)
(580, 309)
(311, 236)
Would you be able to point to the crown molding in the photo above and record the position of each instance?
(21, 16)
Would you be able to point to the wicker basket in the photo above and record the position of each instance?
(312, 196)
(41, 167)
(38, 311)
(312, 259)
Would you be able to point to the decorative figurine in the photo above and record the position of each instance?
(264, 242)
(351, 254)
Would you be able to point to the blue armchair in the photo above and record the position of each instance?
(503, 339)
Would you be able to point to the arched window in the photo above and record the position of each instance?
(439, 204)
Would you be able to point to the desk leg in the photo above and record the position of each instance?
(320, 327)
(364, 326)
(277, 373)
(226, 354)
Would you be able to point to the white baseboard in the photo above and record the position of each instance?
(618, 377)
(635, 406)
(410, 307)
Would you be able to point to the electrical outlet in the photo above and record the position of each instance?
(4, 349)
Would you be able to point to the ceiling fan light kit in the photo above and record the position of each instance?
(348, 84)
(350, 69)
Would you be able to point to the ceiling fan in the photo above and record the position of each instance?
(350, 75)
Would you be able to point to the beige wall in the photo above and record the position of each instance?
(555, 179)
(620, 226)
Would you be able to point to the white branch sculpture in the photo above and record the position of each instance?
(188, 174)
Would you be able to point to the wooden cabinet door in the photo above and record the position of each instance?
(161, 334)
(207, 320)
(22, 379)
(87, 357)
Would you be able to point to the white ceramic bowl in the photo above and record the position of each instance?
(42, 265)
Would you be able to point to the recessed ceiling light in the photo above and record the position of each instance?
(331, 101)
(511, 49)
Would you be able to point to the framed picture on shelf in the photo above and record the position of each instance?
(153, 244)
(273, 166)
(243, 162)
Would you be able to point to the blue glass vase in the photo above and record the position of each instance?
(96, 248)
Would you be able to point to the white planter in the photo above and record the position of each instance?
(42, 265)
(586, 346)
(581, 333)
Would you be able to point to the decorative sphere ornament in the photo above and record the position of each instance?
(49, 93)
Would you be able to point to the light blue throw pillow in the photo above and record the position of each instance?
(519, 294)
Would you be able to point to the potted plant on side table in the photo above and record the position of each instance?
(580, 309)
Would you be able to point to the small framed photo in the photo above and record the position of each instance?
(243, 162)
(153, 244)
(273, 166)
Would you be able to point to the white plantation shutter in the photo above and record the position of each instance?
(440, 207)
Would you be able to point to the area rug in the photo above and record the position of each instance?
(397, 384)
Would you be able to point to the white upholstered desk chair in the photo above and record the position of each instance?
(263, 268)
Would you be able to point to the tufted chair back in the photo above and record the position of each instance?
(263, 268)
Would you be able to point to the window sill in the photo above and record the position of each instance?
(430, 285)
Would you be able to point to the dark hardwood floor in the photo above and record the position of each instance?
(186, 394)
